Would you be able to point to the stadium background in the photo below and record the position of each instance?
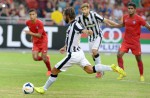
(18, 67)
(14, 13)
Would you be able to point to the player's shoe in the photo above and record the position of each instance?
(142, 78)
(48, 73)
(120, 77)
(99, 74)
(39, 90)
(118, 70)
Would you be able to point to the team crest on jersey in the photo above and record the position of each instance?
(134, 22)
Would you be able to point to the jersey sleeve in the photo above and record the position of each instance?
(98, 17)
(142, 21)
(78, 27)
(78, 19)
(40, 27)
(27, 23)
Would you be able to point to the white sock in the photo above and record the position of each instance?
(49, 82)
(97, 60)
(101, 67)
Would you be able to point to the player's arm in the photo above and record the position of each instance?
(80, 29)
(147, 26)
(108, 22)
(112, 23)
(33, 34)
(89, 32)
(62, 50)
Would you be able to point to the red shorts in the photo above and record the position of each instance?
(135, 49)
(40, 47)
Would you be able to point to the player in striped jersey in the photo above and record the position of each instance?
(90, 20)
(75, 54)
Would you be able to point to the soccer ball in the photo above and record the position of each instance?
(28, 88)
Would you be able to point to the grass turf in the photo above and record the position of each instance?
(18, 68)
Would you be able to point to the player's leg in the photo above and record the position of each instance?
(35, 53)
(96, 56)
(63, 65)
(93, 47)
(45, 57)
(36, 57)
(101, 68)
(52, 78)
(140, 66)
(120, 62)
(136, 50)
(97, 60)
(46, 60)
(84, 63)
(122, 50)
(120, 59)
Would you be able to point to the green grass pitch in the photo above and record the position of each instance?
(18, 68)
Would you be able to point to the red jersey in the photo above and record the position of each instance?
(37, 27)
(133, 28)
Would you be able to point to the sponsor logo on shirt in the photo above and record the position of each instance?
(134, 22)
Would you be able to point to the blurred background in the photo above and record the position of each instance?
(14, 13)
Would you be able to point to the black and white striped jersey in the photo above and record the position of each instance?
(73, 35)
(91, 22)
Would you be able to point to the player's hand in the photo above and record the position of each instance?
(27, 32)
(62, 50)
(90, 32)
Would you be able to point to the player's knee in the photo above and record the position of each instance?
(55, 71)
(94, 52)
(119, 55)
(89, 70)
(138, 58)
(44, 58)
(35, 58)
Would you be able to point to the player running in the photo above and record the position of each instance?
(39, 39)
(132, 23)
(75, 54)
(90, 20)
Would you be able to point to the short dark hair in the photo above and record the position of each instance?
(70, 12)
(32, 10)
(132, 4)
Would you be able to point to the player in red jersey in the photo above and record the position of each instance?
(39, 39)
(132, 23)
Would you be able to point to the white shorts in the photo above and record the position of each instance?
(95, 44)
(74, 58)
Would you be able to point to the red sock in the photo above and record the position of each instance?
(140, 66)
(120, 62)
(48, 65)
(39, 58)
